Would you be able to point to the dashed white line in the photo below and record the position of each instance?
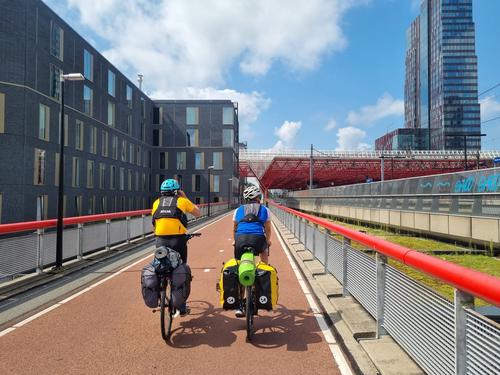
(60, 303)
(327, 334)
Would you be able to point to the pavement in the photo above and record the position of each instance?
(105, 328)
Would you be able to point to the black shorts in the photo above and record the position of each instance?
(257, 242)
(176, 242)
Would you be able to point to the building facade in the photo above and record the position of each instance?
(196, 142)
(441, 75)
(111, 154)
(403, 139)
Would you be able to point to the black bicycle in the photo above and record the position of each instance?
(167, 310)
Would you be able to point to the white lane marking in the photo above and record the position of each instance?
(338, 356)
(206, 270)
(229, 239)
(77, 294)
(221, 251)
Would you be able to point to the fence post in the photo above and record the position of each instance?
(79, 237)
(128, 229)
(327, 234)
(305, 234)
(462, 301)
(39, 251)
(108, 234)
(143, 226)
(299, 219)
(314, 229)
(381, 261)
(345, 243)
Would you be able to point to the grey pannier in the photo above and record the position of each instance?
(181, 284)
(150, 286)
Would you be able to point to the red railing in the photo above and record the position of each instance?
(43, 224)
(481, 285)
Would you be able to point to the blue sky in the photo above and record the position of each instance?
(326, 72)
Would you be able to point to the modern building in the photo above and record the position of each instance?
(112, 130)
(441, 92)
(403, 139)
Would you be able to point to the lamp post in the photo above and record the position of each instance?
(60, 191)
(229, 185)
(208, 206)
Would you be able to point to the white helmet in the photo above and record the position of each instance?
(251, 192)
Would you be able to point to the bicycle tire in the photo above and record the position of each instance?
(249, 311)
(166, 311)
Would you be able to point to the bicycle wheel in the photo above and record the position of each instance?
(250, 305)
(166, 310)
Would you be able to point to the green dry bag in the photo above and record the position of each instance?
(246, 271)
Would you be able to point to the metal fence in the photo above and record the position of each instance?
(466, 193)
(30, 247)
(442, 337)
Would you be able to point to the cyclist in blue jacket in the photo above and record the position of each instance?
(252, 225)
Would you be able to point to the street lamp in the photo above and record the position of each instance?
(229, 186)
(60, 198)
(208, 207)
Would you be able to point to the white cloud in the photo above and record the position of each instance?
(351, 139)
(386, 106)
(177, 44)
(490, 108)
(332, 124)
(286, 134)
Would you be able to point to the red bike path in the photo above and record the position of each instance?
(109, 330)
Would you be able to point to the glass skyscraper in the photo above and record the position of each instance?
(441, 75)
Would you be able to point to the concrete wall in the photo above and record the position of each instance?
(470, 229)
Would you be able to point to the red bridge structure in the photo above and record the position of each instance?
(291, 169)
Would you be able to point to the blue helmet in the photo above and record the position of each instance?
(170, 185)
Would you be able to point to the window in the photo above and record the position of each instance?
(156, 137)
(111, 114)
(104, 146)
(88, 100)
(103, 204)
(93, 139)
(199, 160)
(56, 170)
(66, 131)
(192, 137)
(79, 135)
(129, 96)
(217, 163)
(57, 41)
(44, 122)
(129, 184)
(192, 116)
(196, 182)
(90, 174)
(39, 166)
(114, 147)
(214, 183)
(163, 160)
(129, 124)
(91, 209)
(102, 175)
(143, 108)
(2, 112)
(88, 65)
(227, 138)
(131, 153)
(42, 205)
(136, 180)
(122, 179)
(76, 172)
(138, 156)
(124, 150)
(112, 177)
(111, 83)
(181, 160)
(227, 116)
(55, 82)
(78, 204)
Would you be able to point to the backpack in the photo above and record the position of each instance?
(150, 286)
(229, 285)
(266, 286)
(167, 209)
(251, 217)
(165, 260)
(181, 285)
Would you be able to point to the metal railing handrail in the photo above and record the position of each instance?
(476, 283)
(52, 223)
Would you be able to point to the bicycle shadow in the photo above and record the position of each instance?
(207, 325)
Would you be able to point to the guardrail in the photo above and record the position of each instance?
(442, 337)
(22, 253)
